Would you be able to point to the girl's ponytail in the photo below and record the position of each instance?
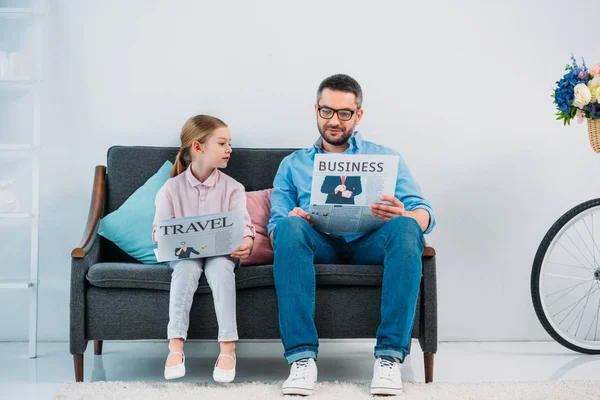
(181, 163)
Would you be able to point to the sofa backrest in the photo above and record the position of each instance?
(129, 167)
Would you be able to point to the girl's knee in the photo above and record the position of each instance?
(192, 268)
(219, 269)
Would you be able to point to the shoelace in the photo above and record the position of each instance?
(386, 368)
(301, 369)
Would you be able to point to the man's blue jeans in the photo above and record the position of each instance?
(398, 245)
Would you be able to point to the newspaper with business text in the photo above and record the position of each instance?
(345, 186)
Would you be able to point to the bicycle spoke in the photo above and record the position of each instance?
(576, 259)
(594, 319)
(578, 249)
(582, 313)
(569, 265)
(597, 318)
(592, 233)
(586, 246)
(574, 305)
(564, 295)
(568, 277)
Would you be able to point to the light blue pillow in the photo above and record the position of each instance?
(130, 227)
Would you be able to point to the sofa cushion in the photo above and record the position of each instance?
(158, 276)
(258, 203)
(130, 226)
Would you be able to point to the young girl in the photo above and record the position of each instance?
(197, 187)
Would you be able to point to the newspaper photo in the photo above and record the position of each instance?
(199, 237)
(345, 186)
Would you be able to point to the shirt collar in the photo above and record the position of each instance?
(210, 181)
(355, 140)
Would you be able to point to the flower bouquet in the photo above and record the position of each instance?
(577, 95)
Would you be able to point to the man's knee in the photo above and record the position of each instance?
(290, 230)
(405, 231)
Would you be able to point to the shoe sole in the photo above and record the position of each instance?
(383, 391)
(297, 391)
(174, 376)
(223, 380)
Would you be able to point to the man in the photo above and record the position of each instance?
(398, 245)
(341, 189)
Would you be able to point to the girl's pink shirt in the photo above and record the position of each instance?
(185, 196)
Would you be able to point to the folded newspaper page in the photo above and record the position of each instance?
(345, 186)
(199, 237)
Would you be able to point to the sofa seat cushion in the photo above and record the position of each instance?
(158, 276)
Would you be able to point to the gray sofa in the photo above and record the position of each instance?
(114, 297)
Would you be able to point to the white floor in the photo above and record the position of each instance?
(24, 378)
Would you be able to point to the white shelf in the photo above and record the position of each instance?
(16, 147)
(6, 12)
(16, 216)
(14, 284)
(16, 79)
(27, 20)
(16, 83)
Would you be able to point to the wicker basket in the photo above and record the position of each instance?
(594, 132)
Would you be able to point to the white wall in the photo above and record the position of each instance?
(462, 91)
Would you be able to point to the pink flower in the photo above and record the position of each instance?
(580, 116)
(595, 70)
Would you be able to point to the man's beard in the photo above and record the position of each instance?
(346, 135)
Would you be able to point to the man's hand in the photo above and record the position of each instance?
(347, 194)
(386, 212)
(298, 212)
(340, 188)
(245, 249)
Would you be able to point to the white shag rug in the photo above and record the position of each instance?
(330, 390)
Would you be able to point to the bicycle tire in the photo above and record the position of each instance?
(536, 270)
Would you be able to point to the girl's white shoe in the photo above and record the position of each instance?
(177, 371)
(224, 375)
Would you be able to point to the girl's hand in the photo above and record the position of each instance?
(245, 249)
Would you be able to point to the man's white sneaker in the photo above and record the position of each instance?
(303, 375)
(387, 379)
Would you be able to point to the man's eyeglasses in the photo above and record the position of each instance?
(343, 115)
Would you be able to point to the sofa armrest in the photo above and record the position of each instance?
(428, 251)
(94, 215)
(429, 318)
(82, 258)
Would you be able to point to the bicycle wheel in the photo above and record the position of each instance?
(565, 279)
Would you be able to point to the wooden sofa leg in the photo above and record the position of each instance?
(428, 358)
(97, 347)
(78, 364)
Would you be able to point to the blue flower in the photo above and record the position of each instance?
(564, 94)
(593, 109)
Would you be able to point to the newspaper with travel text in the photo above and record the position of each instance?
(199, 237)
(345, 186)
